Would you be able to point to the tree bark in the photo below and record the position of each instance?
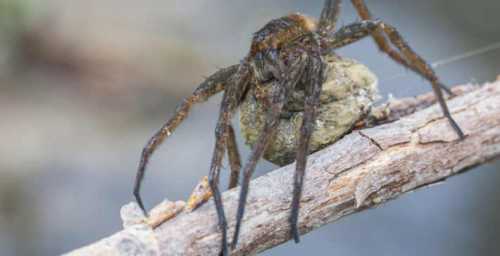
(363, 170)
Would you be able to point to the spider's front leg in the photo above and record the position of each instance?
(212, 85)
(313, 79)
(234, 91)
(279, 92)
(406, 56)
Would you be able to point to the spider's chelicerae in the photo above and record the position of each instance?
(286, 56)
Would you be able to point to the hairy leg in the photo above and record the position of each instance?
(234, 158)
(280, 91)
(213, 177)
(425, 70)
(212, 85)
(353, 32)
(202, 191)
(383, 44)
(314, 76)
(329, 16)
(232, 95)
(378, 37)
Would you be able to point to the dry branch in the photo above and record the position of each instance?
(364, 169)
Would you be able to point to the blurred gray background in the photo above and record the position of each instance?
(84, 84)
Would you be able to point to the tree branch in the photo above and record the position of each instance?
(364, 169)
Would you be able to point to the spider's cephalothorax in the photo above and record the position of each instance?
(286, 59)
(279, 43)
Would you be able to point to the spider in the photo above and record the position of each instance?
(286, 55)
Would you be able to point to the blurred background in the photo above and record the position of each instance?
(84, 84)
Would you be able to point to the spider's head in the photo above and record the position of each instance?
(277, 42)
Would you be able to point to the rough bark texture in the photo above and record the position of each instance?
(364, 169)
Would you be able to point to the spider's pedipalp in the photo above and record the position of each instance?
(212, 85)
(329, 16)
(279, 93)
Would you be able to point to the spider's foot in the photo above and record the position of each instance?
(224, 249)
(457, 128)
(138, 199)
(295, 233)
(294, 228)
(200, 194)
(132, 215)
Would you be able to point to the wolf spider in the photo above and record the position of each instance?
(285, 55)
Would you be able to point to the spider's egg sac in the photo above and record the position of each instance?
(349, 91)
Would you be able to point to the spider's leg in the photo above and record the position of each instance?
(212, 85)
(379, 38)
(272, 120)
(213, 177)
(230, 101)
(234, 157)
(279, 93)
(384, 46)
(329, 16)
(353, 32)
(356, 31)
(424, 70)
(314, 76)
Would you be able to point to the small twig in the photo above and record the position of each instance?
(364, 169)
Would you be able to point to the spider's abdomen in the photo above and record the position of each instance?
(280, 31)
